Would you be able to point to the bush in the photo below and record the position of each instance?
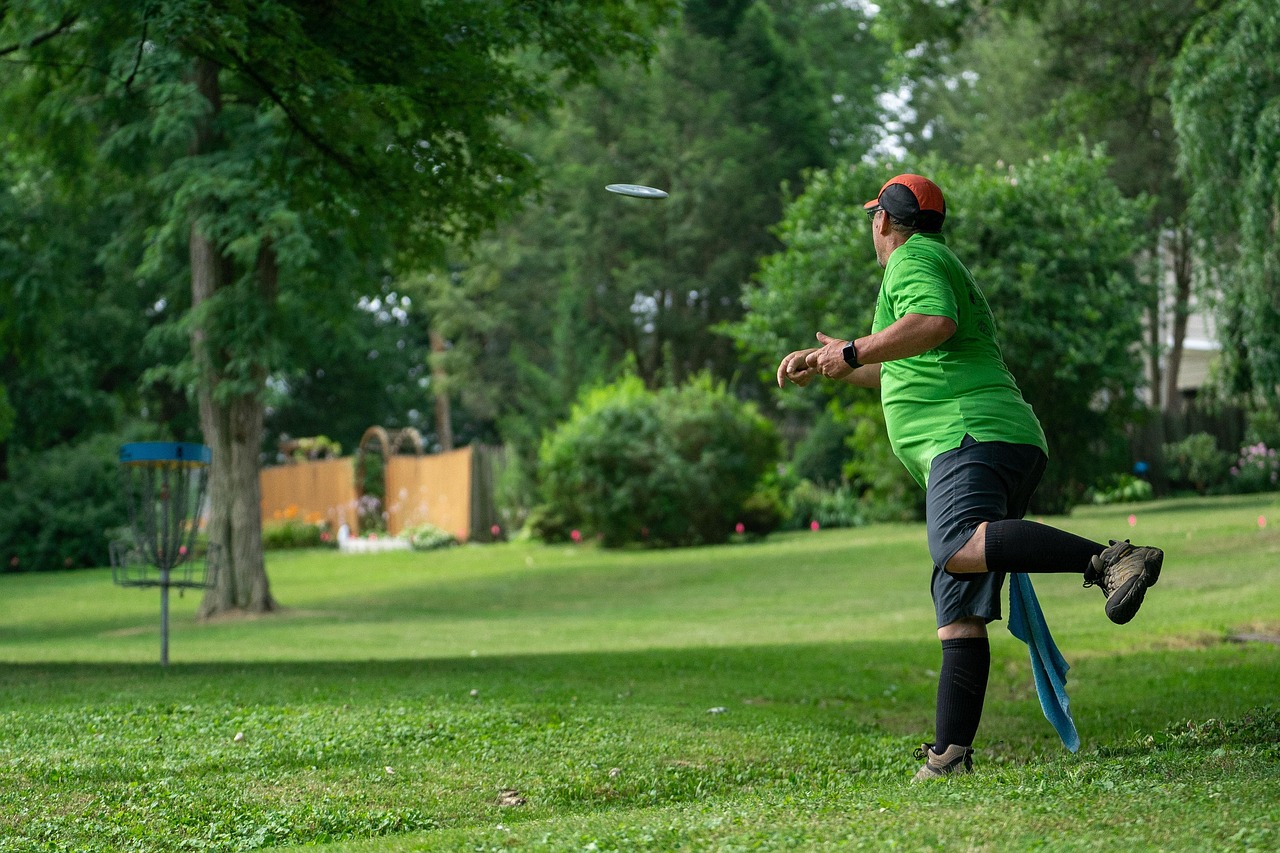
(1196, 462)
(885, 490)
(294, 533)
(821, 455)
(672, 467)
(428, 537)
(59, 506)
(1122, 488)
(829, 506)
(764, 511)
(1256, 470)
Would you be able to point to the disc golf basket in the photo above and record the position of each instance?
(164, 488)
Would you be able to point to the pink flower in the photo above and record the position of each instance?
(1133, 521)
(1262, 521)
(495, 530)
(813, 525)
(576, 535)
(739, 528)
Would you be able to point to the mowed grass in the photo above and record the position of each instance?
(746, 697)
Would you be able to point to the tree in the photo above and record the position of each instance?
(371, 368)
(280, 140)
(1226, 106)
(1003, 80)
(583, 283)
(1051, 245)
(70, 322)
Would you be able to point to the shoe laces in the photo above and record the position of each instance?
(1097, 570)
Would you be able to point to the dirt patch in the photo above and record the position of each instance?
(234, 616)
(1273, 639)
(1256, 632)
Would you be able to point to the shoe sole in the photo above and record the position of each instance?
(1124, 602)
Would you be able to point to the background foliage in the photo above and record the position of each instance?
(672, 467)
(442, 256)
(1226, 102)
(1051, 243)
(62, 506)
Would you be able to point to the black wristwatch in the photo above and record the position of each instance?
(850, 353)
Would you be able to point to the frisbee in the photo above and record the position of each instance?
(636, 190)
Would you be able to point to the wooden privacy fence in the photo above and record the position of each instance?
(453, 490)
(323, 489)
(434, 489)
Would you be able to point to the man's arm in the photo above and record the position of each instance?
(866, 376)
(911, 335)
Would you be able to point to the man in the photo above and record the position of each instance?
(958, 422)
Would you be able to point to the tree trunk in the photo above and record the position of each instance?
(1153, 328)
(1181, 251)
(440, 384)
(232, 426)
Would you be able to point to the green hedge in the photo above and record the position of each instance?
(59, 505)
(678, 466)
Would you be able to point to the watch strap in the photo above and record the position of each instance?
(850, 353)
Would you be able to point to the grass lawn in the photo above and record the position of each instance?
(746, 697)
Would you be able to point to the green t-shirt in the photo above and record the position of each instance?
(962, 386)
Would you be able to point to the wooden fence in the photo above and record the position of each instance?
(454, 491)
(432, 489)
(323, 489)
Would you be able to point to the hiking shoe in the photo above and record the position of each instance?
(955, 761)
(1123, 572)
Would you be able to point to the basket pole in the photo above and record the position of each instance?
(164, 616)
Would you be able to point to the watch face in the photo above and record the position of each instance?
(850, 353)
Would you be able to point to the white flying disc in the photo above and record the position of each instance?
(637, 190)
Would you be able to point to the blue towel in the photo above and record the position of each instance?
(1026, 622)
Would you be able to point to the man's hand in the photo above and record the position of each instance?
(829, 358)
(796, 368)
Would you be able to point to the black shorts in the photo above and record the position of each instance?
(976, 482)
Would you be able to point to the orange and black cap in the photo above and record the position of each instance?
(913, 200)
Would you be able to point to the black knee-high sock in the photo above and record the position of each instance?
(1016, 545)
(962, 686)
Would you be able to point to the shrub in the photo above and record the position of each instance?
(428, 537)
(764, 511)
(830, 506)
(1256, 470)
(59, 505)
(295, 533)
(1122, 488)
(885, 490)
(672, 467)
(821, 455)
(370, 515)
(1196, 462)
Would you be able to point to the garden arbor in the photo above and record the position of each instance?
(371, 481)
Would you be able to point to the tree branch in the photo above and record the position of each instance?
(315, 139)
(137, 59)
(65, 24)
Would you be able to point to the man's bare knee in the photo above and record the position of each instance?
(969, 626)
(972, 556)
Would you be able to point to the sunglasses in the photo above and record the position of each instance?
(871, 212)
